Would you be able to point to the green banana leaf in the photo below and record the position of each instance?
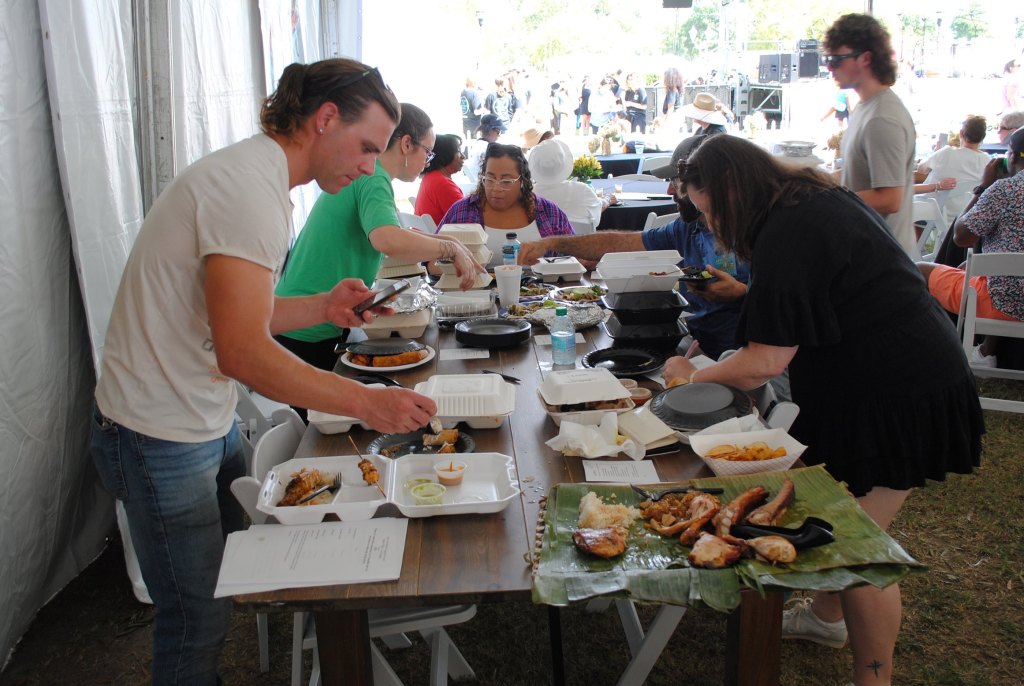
(654, 568)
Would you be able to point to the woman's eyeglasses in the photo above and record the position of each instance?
(834, 61)
(430, 153)
(500, 183)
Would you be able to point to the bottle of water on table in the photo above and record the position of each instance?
(563, 339)
(510, 249)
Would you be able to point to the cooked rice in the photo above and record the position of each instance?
(595, 514)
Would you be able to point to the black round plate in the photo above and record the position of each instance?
(492, 332)
(623, 362)
(403, 444)
(384, 346)
(696, 406)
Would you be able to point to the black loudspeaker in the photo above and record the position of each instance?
(780, 67)
(808, 66)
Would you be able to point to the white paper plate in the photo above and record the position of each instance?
(488, 485)
(384, 370)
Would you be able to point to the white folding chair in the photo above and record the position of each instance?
(928, 211)
(652, 162)
(969, 324)
(424, 223)
(655, 221)
(583, 228)
(637, 177)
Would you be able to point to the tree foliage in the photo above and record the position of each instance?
(970, 23)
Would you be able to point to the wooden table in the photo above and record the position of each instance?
(480, 558)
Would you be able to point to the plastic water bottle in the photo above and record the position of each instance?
(510, 249)
(563, 339)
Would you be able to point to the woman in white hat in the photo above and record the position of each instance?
(550, 165)
(706, 111)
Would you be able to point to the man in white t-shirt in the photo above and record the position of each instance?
(196, 310)
(879, 145)
(964, 165)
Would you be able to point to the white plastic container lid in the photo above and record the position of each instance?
(566, 265)
(640, 256)
(469, 395)
(568, 386)
(468, 234)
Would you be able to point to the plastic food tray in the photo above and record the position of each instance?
(337, 424)
(354, 501)
(633, 280)
(467, 234)
(581, 385)
(406, 325)
(482, 401)
(489, 484)
(586, 417)
(640, 257)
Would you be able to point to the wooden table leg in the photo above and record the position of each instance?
(555, 636)
(343, 642)
(753, 641)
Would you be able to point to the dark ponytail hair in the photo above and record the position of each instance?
(414, 123)
(303, 88)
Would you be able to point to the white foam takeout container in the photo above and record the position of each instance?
(702, 442)
(450, 282)
(640, 258)
(581, 385)
(399, 271)
(585, 417)
(482, 401)
(489, 484)
(634, 279)
(467, 234)
(405, 324)
(566, 268)
(354, 501)
(327, 423)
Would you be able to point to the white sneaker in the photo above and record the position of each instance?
(800, 622)
(979, 360)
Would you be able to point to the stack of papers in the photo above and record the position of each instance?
(270, 557)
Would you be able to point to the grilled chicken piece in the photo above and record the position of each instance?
(772, 548)
(734, 511)
(610, 542)
(772, 511)
(441, 437)
(702, 509)
(674, 504)
(711, 552)
(370, 474)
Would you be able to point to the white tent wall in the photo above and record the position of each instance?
(81, 153)
(54, 515)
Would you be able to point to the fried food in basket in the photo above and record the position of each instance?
(754, 452)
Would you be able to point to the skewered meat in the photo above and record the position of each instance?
(772, 511)
(711, 552)
(734, 511)
(772, 548)
(370, 473)
(606, 543)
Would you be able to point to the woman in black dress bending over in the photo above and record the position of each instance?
(886, 397)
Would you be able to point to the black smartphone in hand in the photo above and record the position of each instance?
(382, 296)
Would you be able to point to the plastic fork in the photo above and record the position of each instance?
(330, 488)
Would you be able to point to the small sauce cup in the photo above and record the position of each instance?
(428, 493)
(640, 395)
(450, 472)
